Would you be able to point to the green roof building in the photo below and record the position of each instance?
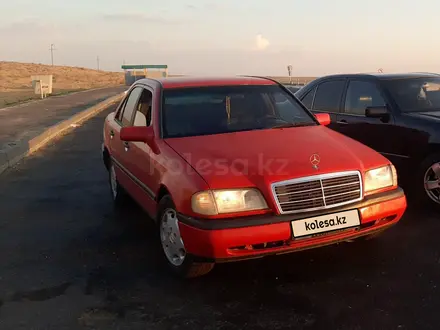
(135, 72)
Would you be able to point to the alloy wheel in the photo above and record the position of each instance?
(172, 243)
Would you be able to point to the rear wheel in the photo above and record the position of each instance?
(428, 181)
(118, 193)
(173, 246)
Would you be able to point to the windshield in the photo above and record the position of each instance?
(227, 109)
(416, 94)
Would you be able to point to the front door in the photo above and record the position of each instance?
(377, 133)
(119, 149)
(138, 156)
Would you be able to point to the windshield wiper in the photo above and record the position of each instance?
(287, 125)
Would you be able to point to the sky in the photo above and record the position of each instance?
(258, 37)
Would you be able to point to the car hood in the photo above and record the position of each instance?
(258, 158)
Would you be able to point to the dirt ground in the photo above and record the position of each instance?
(16, 85)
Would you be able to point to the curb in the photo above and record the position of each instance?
(17, 151)
(57, 96)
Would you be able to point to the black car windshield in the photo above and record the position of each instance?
(227, 109)
(415, 94)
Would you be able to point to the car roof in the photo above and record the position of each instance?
(391, 76)
(384, 76)
(190, 81)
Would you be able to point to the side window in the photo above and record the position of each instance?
(328, 96)
(130, 105)
(142, 116)
(118, 115)
(360, 95)
(308, 99)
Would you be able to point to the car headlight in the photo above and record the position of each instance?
(213, 202)
(380, 178)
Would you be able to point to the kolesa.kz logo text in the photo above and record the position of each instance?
(325, 223)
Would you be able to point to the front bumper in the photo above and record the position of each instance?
(225, 240)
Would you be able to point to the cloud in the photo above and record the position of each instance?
(261, 43)
(24, 27)
(138, 18)
(206, 6)
(34, 33)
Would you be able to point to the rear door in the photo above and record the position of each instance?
(376, 133)
(327, 98)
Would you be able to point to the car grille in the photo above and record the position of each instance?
(318, 192)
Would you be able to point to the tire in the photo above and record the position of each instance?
(118, 194)
(429, 171)
(172, 245)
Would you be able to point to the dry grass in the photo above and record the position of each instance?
(16, 85)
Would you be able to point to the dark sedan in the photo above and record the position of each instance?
(395, 114)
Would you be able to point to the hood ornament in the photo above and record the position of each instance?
(315, 160)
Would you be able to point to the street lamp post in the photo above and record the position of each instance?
(289, 71)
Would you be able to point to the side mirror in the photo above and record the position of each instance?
(376, 112)
(140, 134)
(323, 118)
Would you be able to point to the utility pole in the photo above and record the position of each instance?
(289, 71)
(51, 52)
(97, 62)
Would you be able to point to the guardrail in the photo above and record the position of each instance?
(285, 80)
(298, 81)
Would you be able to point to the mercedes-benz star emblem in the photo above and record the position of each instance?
(315, 160)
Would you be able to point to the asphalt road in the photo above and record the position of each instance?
(24, 121)
(68, 261)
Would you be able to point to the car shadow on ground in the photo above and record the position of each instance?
(308, 288)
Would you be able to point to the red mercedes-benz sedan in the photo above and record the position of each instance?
(237, 168)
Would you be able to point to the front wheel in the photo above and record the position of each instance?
(429, 181)
(172, 244)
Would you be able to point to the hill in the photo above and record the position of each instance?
(16, 86)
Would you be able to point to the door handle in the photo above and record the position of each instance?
(112, 134)
(343, 121)
(126, 146)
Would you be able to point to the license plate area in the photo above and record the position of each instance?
(325, 224)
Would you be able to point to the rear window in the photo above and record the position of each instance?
(227, 109)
